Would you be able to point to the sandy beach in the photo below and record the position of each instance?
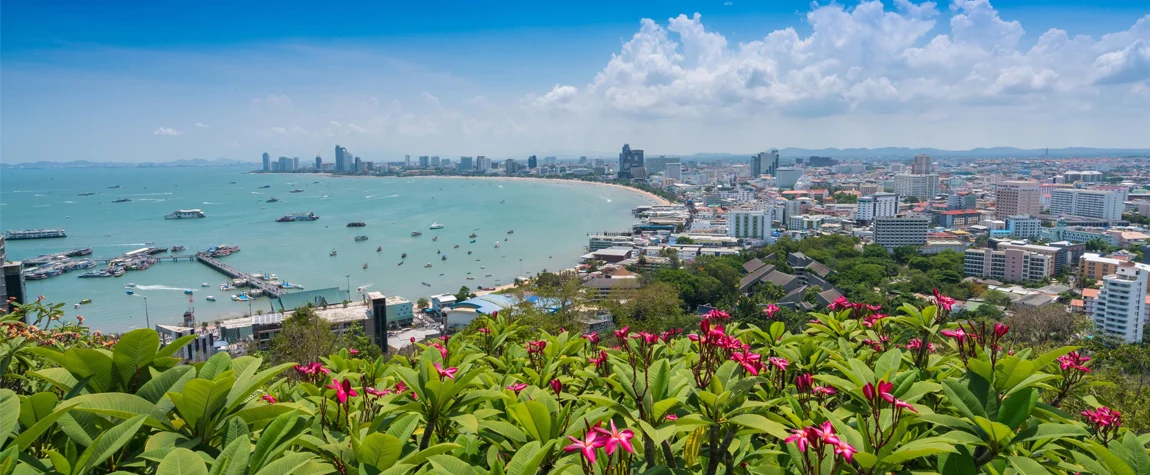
(656, 198)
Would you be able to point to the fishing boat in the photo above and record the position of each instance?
(85, 301)
(378, 249)
(404, 256)
(425, 283)
(297, 190)
(472, 235)
(360, 238)
(122, 200)
(436, 238)
(469, 251)
(471, 278)
(436, 226)
(457, 246)
(416, 234)
(357, 224)
(272, 200)
(437, 251)
(114, 186)
(178, 248)
(400, 263)
(427, 265)
(265, 186)
(365, 265)
(510, 231)
(87, 194)
(333, 253)
(443, 257)
(186, 214)
(210, 298)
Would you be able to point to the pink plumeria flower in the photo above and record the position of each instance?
(617, 438)
(517, 387)
(587, 446)
(269, 398)
(445, 373)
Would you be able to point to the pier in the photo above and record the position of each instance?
(266, 288)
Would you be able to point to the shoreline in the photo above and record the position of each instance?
(656, 198)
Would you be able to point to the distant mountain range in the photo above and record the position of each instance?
(904, 153)
(195, 162)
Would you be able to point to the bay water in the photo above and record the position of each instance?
(551, 220)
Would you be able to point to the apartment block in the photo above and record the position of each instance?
(1013, 198)
(1121, 306)
(1104, 204)
(1009, 265)
(897, 231)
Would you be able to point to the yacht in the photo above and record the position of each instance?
(186, 214)
(496, 243)
(205, 284)
(436, 226)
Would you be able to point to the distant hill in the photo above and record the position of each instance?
(904, 153)
(194, 162)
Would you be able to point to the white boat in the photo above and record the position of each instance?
(496, 243)
(436, 226)
(210, 298)
(186, 214)
(205, 284)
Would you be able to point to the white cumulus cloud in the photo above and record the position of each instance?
(202, 125)
(166, 131)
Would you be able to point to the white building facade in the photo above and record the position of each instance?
(749, 224)
(1121, 305)
(1103, 204)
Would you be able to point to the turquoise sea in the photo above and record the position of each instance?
(551, 220)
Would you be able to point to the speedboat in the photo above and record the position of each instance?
(437, 251)
(378, 249)
(272, 200)
(425, 283)
(365, 265)
(85, 301)
(333, 253)
(510, 231)
(205, 284)
(210, 298)
(400, 263)
(416, 234)
(436, 238)
(404, 256)
(469, 251)
(496, 243)
(436, 226)
(427, 265)
(130, 285)
(187, 291)
(457, 246)
(129, 292)
(472, 241)
(443, 257)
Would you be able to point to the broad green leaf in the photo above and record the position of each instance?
(171, 348)
(888, 364)
(181, 461)
(26, 438)
(93, 364)
(233, 460)
(287, 464)
(132, 353)
(215, 365)
(107, 444)
(379, 450)
(1016, 407)
(963, 399)
(448, 465)
(271, 439)
(1027, 465)
(527, 459)
(421, 456)
(9, 414)
(1049, 431)
(120, 405)
(36, 407)
(172, 380)
(761, 424)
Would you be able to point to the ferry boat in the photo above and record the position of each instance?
(122, 200)
(360, 238)
(35, 234)
(357, 224)
(292, 217)
(416, 234)
(272, 200)
(178, 248)
(436, 226)
(186, 214)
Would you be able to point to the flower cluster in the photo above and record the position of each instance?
(715, 346)
(313, 372)
(535, 352)
(771, 310)
(1106, 422)
(1073, 362)
(448, 373)
(816, 439)
(608, 440)
(971, 337)
(879, 395)
(915, 344)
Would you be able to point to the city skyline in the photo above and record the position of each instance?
(671, 79)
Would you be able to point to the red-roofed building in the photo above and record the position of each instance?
(959, 218)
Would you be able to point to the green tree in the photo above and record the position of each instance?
(422, 303)
(305, 337)
(463, 294)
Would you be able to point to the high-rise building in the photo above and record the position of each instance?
(510, 166)
(532, 162)
(787, 177)
(921, 165)
(318, 163)
(1008, 265)
(674, 171)
(898, 231)
(295, 163)
(424, 161)
(658, 164)
(961, 200)
(765, 163)
(1083, 176)
(631, 163)
(465, 164)
(1104, 204)
(875, 206)
(342, 159)
(357, 165)
(753, 225)
(482, 163)
(267, 162)
(1016, 197)
(407, 161)
(1121, 307)
(550, 161)
(923, 187)
(286, 164)
(435, 161)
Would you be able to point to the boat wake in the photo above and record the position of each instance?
(70, 202)
(152, 199)
(159, 287)
(210, 203)
(256, 193)
(41, 206)
(37, 194)
(149, 194)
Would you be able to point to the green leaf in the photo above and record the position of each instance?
(888, 364)
(449, 465)
(379, 450)
(918, 449)
(1016, 407)
(9, 414)
(421, 456)
(172, 380)
(215, 365)
(120, 405)
(271, 440)
(527, 459)
(233, 460)
(107, 444)
(1049, 431)
(171, 348)
(287, 464)
(761, 424)
(132, 353)
(181, 461)
(1026, 465)
(96, 364)
(26, 438)
(963, 399)
(36, 407)
(199, 401)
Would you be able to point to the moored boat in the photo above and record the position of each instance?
(186, 214)
(292, 217)
(436, 226)
(360, 238)
(357, 224)
(416, 234)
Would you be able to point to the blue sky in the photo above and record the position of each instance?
(159, 81)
